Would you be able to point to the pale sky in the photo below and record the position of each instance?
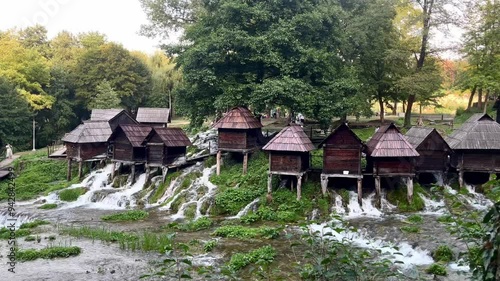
(120, 20)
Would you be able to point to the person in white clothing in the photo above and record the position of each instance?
(8, 151)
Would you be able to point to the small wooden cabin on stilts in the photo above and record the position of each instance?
(127, 146)
(289, 154)
(433, 149)
(238, 131)
(154, 117)
(342, 152)
(389, 154)
(476, 146)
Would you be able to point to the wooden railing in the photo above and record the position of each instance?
(54, 146)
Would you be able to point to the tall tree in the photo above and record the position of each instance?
(105, 97)
(15, 117)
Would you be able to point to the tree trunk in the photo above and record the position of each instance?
(404, 106)
(480, 98)
(485, 109)
(420, 109)
(472, 93)
(381, 104)
(395, 108)
(411, 100)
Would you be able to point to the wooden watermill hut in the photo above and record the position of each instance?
(113, 116)
(476, 146)
(289, 154)
(238, 131)
(155, 117)
(389, 154)
(342, 152)
(433, 149)
(165, 146)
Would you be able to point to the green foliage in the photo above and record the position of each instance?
(317, 159)
(71, 194)
(105, 97)
(33, 224)
(48, 206)
(161, 189)
(48, 253)
(263, 255)
(445, 219)
(398, 197)
(437, 269)
(133, 215)
(30, 238)
(210, 245)
(6, 233)
(249, 218)
(195, 225)
(236, 231)
(210, 161)
(410, 229)
(442, 253)
(415, 219)
(15, 116)
(364, 133)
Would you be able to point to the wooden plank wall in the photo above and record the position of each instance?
(232, 139)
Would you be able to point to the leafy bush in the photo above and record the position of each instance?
(48, 206)
(442, 253)
(398, 197)
(263, 255)
(48, 253)
(410, 229)
(210, 245)
(34, 224)
(210, 161)
(437, 269)
(6, 233)
(237, 231)
(196, 225)
(132, 215)
(416, 219)
(249, 218)
(71, 194)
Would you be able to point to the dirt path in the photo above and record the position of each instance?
(7, 162)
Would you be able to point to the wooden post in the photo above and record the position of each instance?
(219, 154)
(69, 169)
(360, 192)
(409, 187)
(461, 178)
(291, 184)
(245, 163)
(378, 192)
(133, 173)
(80, 169)
(113, 170)
(299, 187)
(269, 183)
(324, 184)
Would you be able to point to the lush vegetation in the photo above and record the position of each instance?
(6, 233)
(442, 253)
(71, 194)
(33, 224)
(48, 253)
(194, 225)
(398, 197)
(132, 215)
(264, 255)
(48, 206)
(237, 231)
(437, 269)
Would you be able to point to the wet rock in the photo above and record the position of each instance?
(41, 201)
(112, 271)
(411, 272)
(87, 272)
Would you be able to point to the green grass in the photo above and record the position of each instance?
(133, 215)
(415, 219)
(33, 224)
(163, 187)
(47, 253)
(364, 133)
(37, 175)
(6, 234)
(72, 194)
(263, 255)
(410, 229)
(398, 197)
(196, 225)
(437, 269)
(48, 206)
(237, 231)
(442, 253)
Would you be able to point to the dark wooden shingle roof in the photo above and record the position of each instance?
(153, 115)
(341, 127)
(172, 137)
(89, 132)
(480, 131)
(417, 135)
(136, 134)
(389, 142)
(238, 118)
(291, 138)
(104, 114)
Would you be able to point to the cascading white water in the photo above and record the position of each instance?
(477, 200)
(367, 210)
(245, 210)
(400, 252)
(338, 207)
(450, 190)
(433, 207)
(6, 220)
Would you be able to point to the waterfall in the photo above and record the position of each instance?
(367, 210)
(6, 220)
(477, 200)
(433, 207)
(338, 207)
(245, 210)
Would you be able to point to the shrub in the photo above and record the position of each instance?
(71, 194)
(249, 218)
(48, 253)
(237, 231)
(196, 225)
(34, 224)
(437, 269)
(398, 197)
(48, 206)
(132, 215)
(6, 233)
(416, 219)
(263, 255)
(210, 245)
(442, 253)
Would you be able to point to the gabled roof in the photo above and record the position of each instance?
(341, 127)
(480, 131)
(171, 137)
(136, 134)
(417, 135)
(153, 115)
(389, 142)
(105, 114)
(89, 132)
(238, 118)
(291, 138)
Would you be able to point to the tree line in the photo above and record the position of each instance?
(57, 82)
(324, 58)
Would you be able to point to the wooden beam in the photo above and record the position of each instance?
(113, 171)
(324, 183)
(68, 176)
(409, 187)
(299, 187)
(219, 154)
(245, 163)
(461, 178)
(80, 169)
(133, 174)
(378, 202)
(269, 183)
(360, 192)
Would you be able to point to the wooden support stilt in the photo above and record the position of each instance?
(69, 169)
(113, 170)
(378, 192)
(80, 169)
(461, 178)
(360, 192)
(324, 184)
(269, 183)
(409, 186)
(133, 174)
(291, 184)
(299, 187)
(219, 156)
(245, 163)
